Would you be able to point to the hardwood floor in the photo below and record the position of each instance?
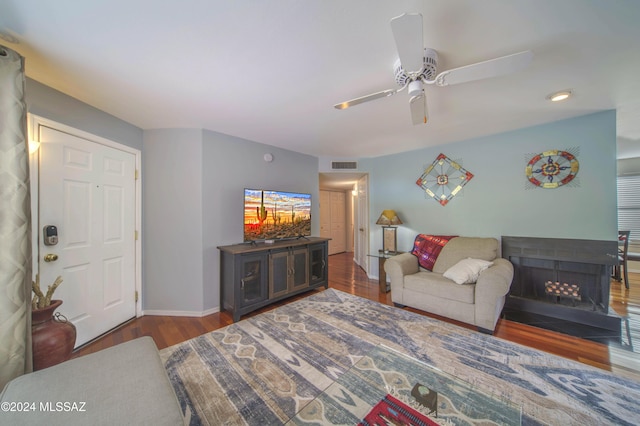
(346, 276)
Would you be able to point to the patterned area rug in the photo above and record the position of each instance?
(264, 369)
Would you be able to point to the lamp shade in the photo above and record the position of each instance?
(388, 217)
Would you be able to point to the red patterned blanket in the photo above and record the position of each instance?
(427, 248)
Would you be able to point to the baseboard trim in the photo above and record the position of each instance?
(167, 313)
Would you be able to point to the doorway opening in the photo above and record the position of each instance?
(344, 214)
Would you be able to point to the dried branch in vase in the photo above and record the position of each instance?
(41, 300)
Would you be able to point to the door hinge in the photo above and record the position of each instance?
(136, 175)
(135, 235)
(136, 297)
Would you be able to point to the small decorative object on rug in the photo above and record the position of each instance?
(443, 179)
(392, 411)
(53, 338)
(426, 397)
(552, 169)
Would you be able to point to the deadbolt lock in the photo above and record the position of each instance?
(50, 257)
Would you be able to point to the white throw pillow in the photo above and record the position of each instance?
(467, 270)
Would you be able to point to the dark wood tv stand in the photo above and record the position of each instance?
(255, 275)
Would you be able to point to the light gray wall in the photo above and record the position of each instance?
(49, 103)
(231, 164)
(193, 190)
(497, 200)
(172, 221)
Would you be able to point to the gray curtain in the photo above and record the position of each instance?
(15, 222)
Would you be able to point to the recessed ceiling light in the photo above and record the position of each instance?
(560, 96)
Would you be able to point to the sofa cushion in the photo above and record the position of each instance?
(427, 249)
(462, 247)
(467, 270)
(125, 384)
(434, 284)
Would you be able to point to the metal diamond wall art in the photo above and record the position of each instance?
(443, 179)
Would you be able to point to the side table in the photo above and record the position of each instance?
(382, 275)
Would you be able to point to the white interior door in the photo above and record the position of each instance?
(325, 215)
(361, 249)
(87, 190)
(338, 223)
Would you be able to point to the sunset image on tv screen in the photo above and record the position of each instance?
(276, 214)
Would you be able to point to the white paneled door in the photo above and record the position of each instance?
(362, 224)
(325, 214)
(87, 191)
(333, 220)
(338, 223)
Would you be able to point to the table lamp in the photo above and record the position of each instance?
(387, 219)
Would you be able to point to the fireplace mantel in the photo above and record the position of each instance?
(573, 250)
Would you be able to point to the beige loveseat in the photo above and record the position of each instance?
(479, 303)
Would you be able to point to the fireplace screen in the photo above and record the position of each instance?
(575, 285)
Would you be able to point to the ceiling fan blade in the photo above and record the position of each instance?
(407, 31)
(367, 98)
(487, 69)
(418, 105)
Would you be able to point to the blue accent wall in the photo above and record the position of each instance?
(498, 200)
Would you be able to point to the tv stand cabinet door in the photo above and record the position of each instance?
(279, 273)
(288, 271)
(299, 264)
(318, 260)
(252, 283)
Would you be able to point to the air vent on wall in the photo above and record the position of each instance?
(344, 165)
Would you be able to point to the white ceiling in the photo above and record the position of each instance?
(271, 70)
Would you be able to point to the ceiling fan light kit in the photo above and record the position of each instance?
(415, 88)
(417, 66)
(418, 106)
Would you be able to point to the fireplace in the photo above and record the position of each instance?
(566, 280)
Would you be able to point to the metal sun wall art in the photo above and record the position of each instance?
(552, 169)
(443, 179)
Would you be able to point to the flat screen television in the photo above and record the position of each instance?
(272, 215)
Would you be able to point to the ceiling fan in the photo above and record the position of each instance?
(416, 66)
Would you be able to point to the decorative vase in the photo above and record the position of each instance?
(53, 339)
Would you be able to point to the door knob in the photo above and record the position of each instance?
(50, 257)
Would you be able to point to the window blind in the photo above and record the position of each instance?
(629, 205)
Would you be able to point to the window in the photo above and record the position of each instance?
(629, 205)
